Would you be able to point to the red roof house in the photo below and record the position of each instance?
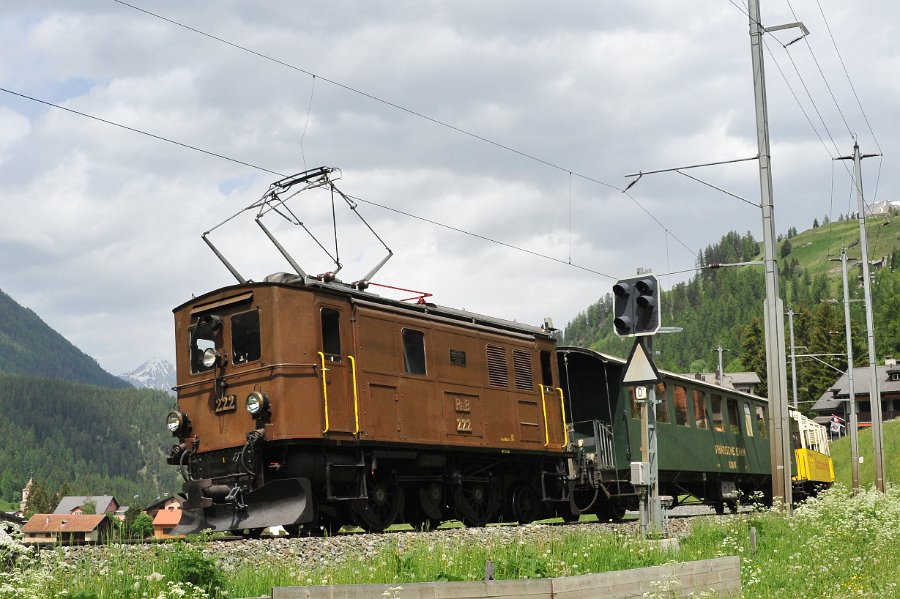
(65, 528)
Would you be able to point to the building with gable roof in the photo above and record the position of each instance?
(65, 528)
(75, 504)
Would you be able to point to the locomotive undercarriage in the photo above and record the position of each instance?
(315, 488)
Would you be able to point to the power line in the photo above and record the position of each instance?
(142, 132)
(282, 175)
(410, 111)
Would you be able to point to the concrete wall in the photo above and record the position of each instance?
(721, 575)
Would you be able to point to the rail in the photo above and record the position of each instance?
(355, 394)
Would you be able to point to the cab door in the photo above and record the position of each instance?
(336, 372)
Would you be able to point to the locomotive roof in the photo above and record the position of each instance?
(344, 289)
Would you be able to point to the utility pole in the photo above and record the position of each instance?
(853, 425)
(790, 314)
(874, 390)
(721, 371)
(774, 311)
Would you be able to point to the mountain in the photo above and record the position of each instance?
(29, 346)
(155, 373)
(724, 306)
(87, 439)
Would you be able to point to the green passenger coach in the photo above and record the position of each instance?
(712, 441)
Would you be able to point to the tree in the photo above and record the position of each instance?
(753, 353)
(38, 501)
(142, 527)
(815, 223)
(89, 507)
(786, 248)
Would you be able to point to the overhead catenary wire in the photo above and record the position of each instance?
(407, 110)
(279, 174)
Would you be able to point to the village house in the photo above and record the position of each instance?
(165, 520)
(836, 400)
(65, 528)
(102, 504)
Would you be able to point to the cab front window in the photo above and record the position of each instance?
(245, 345)
(205, 335)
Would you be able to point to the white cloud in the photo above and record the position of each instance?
(102, 225)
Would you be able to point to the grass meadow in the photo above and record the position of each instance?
(837, 545)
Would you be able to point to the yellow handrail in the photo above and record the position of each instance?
(324, 391)
(562, 407)
(546, 430)
(355, 393)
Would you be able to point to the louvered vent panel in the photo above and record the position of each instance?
(498, 374)
(522, 370)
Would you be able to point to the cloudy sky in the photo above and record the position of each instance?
(515, 121)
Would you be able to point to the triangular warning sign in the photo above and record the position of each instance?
(640, 369)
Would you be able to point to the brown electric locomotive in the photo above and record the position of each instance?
(311, 404)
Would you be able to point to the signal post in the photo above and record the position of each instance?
(636, 314)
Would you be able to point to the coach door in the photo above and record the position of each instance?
(336, 373)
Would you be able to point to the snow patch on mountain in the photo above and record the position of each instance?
(152, 374)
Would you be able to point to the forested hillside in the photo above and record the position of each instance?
(724, 306)
(29, 346)
(93, 440)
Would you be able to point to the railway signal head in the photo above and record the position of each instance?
(636, 306)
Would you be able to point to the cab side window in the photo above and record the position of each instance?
(546, 369)
(413, 351)
(331, 334)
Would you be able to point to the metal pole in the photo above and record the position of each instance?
(654, 505)
(874, 392)
(774, 315)
(793, 357)
(852, 424)
(721, 371)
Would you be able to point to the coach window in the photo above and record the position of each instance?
(680, 399)
(734, 417)
(413, 351)
(245, 337)
(700, 415)
(761, 422)
(331, 334)
(718, 417)
(748, 420)
(662, 408)
(546, 369)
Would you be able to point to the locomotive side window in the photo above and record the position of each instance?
(662, 408)
(331, 334)
(546, 370)
(734, 419)
(700, 414)
(748, 420)
(245, 337)
(718, 416)
(681, 412)
(761, 422)
(413, 351)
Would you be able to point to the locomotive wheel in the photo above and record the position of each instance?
(526, 505)
(383, 506)
(609, 511)
(473, 503)
(422, 505)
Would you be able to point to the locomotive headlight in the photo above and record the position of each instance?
(175, 421)
(256, 401)
(210, 357)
